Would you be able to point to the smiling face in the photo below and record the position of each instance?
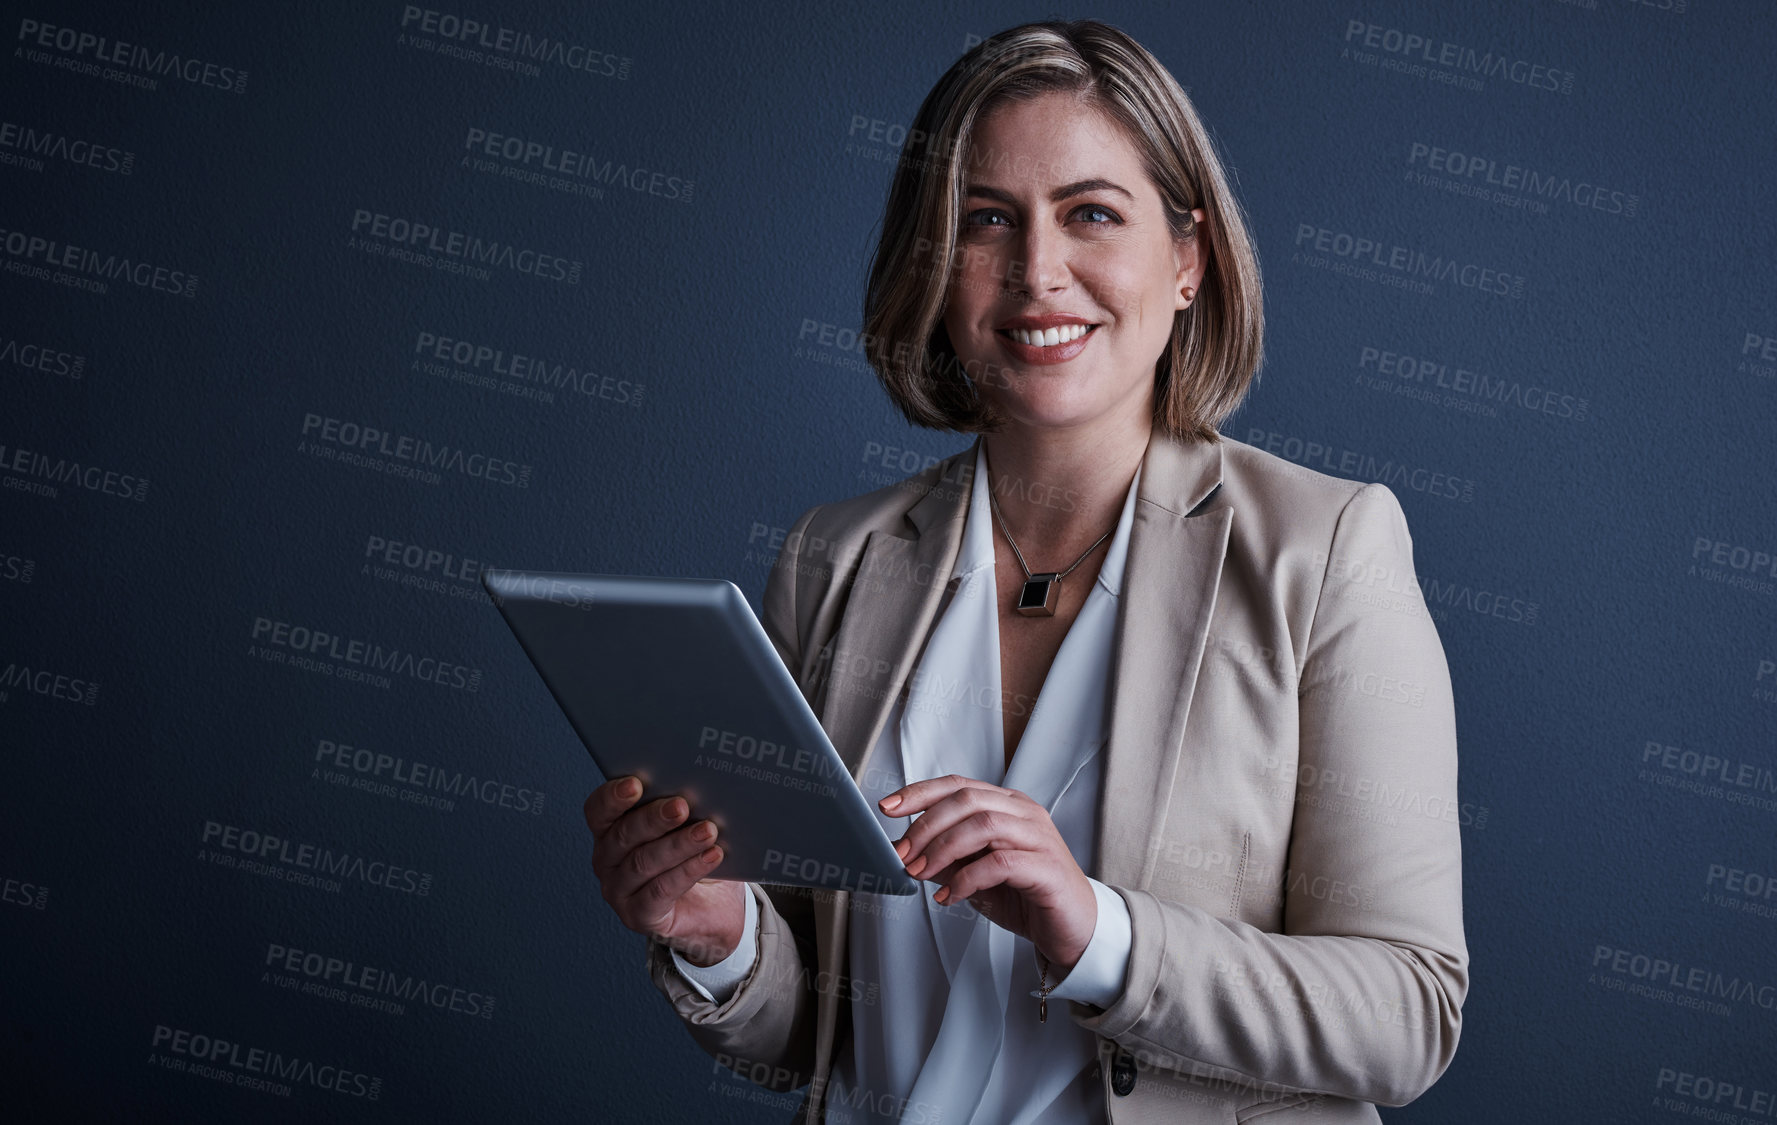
(1063, 231)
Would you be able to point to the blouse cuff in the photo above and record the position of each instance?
(1099, 975)
(717, 982)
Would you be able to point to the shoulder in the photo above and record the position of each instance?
(822, 548)
(1284, 502)
(836, 527)
(1298, 532)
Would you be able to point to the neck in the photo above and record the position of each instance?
(1060, 489)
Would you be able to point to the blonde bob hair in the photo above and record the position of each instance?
(1215, 349)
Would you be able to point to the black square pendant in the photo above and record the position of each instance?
(1037, 597)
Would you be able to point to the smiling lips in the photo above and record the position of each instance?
(1049, 337)
(1055, 338)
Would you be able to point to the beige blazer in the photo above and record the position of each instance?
(1279, 806)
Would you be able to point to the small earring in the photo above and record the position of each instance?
(1190, 292)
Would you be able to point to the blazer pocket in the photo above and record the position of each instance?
(1308, 1105)
(1246, 846)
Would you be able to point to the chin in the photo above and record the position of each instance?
(1049, 411)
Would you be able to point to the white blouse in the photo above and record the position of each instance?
(938, 1038)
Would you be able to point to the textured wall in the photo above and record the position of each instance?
(204, 298)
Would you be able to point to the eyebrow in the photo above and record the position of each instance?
(1065, 191)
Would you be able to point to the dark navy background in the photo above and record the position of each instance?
(1572, 579)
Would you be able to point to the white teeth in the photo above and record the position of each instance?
(1049, 337)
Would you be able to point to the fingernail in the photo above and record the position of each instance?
(889, 803)
(705, 831)
(671, 810)
(630, 790)
(917, 866)
(901, 848)
(943, 894)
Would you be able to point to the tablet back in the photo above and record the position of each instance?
(675, 681)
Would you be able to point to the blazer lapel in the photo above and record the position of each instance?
(893, 600)
(1171, 575)
(1170, 578)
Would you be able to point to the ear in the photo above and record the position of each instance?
(1191, 258)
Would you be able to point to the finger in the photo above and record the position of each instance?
(654, 901)
(923, 794)
(1017, 869)
(638, 826)
(609, 801)
(941, 876)
(626, 883)
(991, 829)
(946, 813)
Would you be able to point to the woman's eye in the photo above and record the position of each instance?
(1097, 216)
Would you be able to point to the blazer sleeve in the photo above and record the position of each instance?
(1360, 995)
(765, 1030)
(717, 982)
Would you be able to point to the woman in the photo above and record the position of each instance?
(1160, 717)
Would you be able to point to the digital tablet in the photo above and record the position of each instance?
(675, 681)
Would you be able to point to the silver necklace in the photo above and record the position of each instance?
(1038, 596)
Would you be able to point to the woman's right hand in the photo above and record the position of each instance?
(650, 868)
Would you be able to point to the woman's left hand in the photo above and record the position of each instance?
(1000, 850)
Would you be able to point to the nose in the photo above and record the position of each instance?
(1044, 267)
